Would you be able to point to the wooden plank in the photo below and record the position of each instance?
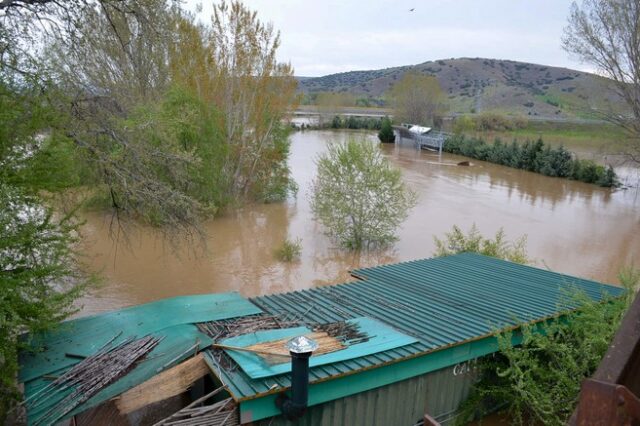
(169, 383)
(274, 351)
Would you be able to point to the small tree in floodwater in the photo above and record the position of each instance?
(359, 196)
(386, 134)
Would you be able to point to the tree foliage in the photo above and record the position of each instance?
(359, 196)
(39, 278)
(174, 119)
(39, 273)
(386, 134)
(604, 33)
(417, 99)
(539, 380)
(457, 241)
(137, 104)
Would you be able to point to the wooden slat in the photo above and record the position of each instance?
(326, 344)
(169, 383)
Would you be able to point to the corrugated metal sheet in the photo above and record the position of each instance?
(84, 336)
(442, 302)
(170, 351)
(168, 319)
(403, 403)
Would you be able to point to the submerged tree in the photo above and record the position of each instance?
(417, 99)
(254, 92)
(457, 241)
(604, 33)
(386, 134)
(359, 196)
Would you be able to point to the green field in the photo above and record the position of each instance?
(595, 138)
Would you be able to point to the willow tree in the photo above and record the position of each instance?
(253, 92)
(359, 196)
(106, 107)
(417, 99)
(605, 34)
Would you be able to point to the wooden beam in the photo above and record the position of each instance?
(169, 383)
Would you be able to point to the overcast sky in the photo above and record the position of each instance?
(327, 36)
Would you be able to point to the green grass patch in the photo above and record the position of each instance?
(593, 137)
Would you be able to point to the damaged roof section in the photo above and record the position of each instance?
(93, 359)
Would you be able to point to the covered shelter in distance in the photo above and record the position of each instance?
(421, 136)
(396, 344)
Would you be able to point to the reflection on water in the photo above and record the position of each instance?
(572, 227)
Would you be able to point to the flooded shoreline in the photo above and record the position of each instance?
(572, 227)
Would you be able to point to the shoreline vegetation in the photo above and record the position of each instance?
(534, 156)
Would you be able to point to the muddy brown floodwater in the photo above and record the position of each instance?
(572, 227)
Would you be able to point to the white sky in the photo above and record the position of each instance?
(327, 36)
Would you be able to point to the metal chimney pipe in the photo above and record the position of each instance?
(301, 349)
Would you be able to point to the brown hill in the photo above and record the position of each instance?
(474, 85)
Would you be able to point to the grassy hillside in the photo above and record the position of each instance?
(475, 85)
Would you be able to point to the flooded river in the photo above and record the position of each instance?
(572, 227)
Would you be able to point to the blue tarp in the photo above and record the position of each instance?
(381, 338)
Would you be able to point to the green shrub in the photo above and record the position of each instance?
(539, 380)
(359, 196)
(289, 250)
(386, 134)
(534, 157)
(457, 241)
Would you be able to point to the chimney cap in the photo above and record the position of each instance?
(301, 345)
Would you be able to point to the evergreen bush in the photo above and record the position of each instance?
(534, 156)
(386, 134)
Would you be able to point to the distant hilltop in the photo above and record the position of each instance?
(475, 85)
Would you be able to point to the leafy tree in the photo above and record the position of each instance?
(604, 33)
(386, 134)
(39, 278)
(417, 99)
(457, 241)
(164, 118)
(254, 92)
(358, 196)
(39, 273)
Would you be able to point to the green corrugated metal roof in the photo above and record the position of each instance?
(170, 319)
(84, 336)
(443, 302)
(171, 350)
